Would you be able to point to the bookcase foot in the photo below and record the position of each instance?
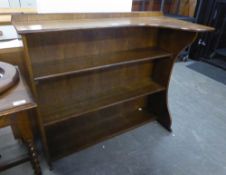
(159, 107)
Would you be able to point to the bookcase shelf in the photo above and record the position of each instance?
(97, 75)
(61, 67)
(113, 121)
(105, 100)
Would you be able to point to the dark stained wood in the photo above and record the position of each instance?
(57, 68)
(97, 75)
(105, 100)
(16, 99)
(15, 104)
(76, 51)
(167, 39)
(34, 23)
(102, 124)
(23, 123)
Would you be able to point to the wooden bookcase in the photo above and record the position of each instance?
(97, 75)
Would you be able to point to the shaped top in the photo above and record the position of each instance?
(36, 23)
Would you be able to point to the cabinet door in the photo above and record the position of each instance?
(4, 4)
(28, 3)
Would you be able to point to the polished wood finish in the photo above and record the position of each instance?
(98, 75)
(10, 100)
(11, 52)
(16, 104)
(47, 22)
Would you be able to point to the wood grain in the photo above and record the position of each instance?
(97, 75)
(52, 22)
(102, 125)
(10, 99)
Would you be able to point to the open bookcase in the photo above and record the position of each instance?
(97, 75)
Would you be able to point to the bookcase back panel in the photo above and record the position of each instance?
(51, 48)
(65, 96)
(78, 133)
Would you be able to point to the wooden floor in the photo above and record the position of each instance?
(196, 146)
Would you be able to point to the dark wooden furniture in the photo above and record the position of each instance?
(17, 105)
(97, 75)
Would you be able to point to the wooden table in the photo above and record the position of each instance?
(17, 105)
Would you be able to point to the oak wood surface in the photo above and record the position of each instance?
(15, 105)
(96, 75)
(16, 99)
(101, 101)
(56, 68)
(93, 90)
(110, 122)
(44, 22)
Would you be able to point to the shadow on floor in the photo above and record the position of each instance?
(209, 70)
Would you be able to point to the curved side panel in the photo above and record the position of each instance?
(172, 41)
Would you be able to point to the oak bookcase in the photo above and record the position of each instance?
(97, 75)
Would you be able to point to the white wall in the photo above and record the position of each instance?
(66, 6)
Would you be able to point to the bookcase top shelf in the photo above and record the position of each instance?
(36, 23)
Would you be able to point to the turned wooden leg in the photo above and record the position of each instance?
(23, 124)
(33, 157)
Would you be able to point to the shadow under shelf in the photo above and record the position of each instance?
(95, 127)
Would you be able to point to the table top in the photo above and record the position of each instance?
(36, 23)
(16, 99)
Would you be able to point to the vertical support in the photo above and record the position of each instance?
(159, 108)
(24, 128)
(172, 41)
(14, 128)
(34, 91)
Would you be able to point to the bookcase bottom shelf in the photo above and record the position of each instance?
(107, 99)
(79, 133)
